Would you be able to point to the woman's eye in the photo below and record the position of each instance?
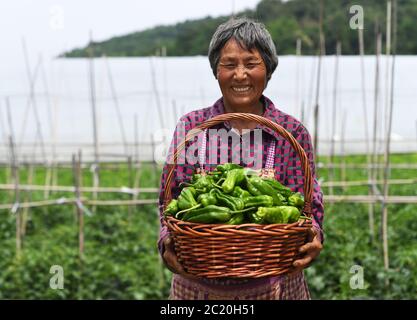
(251, 65)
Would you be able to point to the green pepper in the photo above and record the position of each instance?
(233, 178)
(258, 201)
(207, 199)
(227, 200)
(251, 188)
(265, 189)
(238, 192)
(237, 218)
(285, 191)
(257, 217)
(186, 198)
(227, 167)
(205, 183)
(296, 200)
(172, 208)
(195, 177)
(209, 214)
(280, 214)
(202, 183)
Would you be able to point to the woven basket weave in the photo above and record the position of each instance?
(239, 251)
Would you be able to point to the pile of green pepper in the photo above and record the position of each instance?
(232, 194)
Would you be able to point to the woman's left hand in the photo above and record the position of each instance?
(311, 251)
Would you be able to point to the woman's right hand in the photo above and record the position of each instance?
(171, 260)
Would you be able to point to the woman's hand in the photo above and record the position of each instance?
(171, 260)
(311, 251)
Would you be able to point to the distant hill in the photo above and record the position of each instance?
(286, 21)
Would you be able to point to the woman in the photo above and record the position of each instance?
(243, 57)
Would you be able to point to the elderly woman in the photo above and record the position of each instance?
(243, 57)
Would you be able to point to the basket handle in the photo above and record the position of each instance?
(308, 178)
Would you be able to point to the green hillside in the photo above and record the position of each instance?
(286, 22)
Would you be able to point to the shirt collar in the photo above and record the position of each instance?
(269, 113)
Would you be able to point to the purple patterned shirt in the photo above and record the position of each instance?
(287, 165)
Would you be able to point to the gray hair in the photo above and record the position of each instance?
(248, 34)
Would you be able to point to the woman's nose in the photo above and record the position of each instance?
(240, 72)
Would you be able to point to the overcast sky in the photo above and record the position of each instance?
(50, 27)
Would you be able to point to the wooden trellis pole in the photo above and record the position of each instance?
(25, 214)
(16, 207)
(11, 136)
(130, 177)
(334, 111)
(374, 170)
(366, 134)
(96, 165)
(297, 94)
(317, 106)
(78, 204)
(388, 136)
(342, 146)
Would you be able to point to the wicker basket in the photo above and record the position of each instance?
(239, 251)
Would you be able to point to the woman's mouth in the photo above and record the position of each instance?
(241, 89)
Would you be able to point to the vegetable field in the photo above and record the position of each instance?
(120, 258)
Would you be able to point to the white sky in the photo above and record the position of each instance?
(50, 27)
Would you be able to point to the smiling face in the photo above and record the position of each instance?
(242, 77)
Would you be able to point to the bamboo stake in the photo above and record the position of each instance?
(102, 203)
(8, 158)
(54, 143)
(130, 170)
(334, 111)
(371, 199)
(302, 112)
(342, 145)
(96, 166)
(353, 166)
(136, 190)
(49, 167)
(387, 148)
(48, 180)
(133, 191)
(387, 63)
(16, 206)
(297, 78)
(28, 199)
(3, 126)
(399, 166)
(136, 132)
(362, 182)
(368, 154)
(154, 164)
(80, 214)
(317, 107)
(11, 134)
(306, 117)
(376, 118)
